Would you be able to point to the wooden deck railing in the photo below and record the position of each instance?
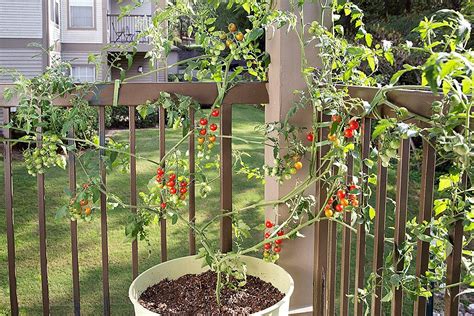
(126, 29)
(326, 234)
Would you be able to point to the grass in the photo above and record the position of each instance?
(59, 253)
(58, 235)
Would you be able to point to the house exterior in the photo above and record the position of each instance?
(73, 29)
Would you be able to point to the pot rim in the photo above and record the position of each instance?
(285, 299)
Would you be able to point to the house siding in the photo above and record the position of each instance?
(144, 9)
(81, 36)
(20, 19)
(27, 62)
(139, 60)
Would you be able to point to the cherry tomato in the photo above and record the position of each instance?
(202, 132)
(88, 211)
(173, 190)
(332, 137)
(212, 138)
(310, 136)
(268, 224)
(239, 37)
(352, 187)
(280, 233)
(277, 249)
(267, 246)
(349, 133)
(215, 113)
(336, 118)
(201, 140)
(160, 171)
(339, 208)
(330, 201)
(267, 235)
(203, 122)
(344, 202)
(328, 212)
(83, 202)
(163, 205)
(355, 203)
(213, 127)
(173, 176)
(170, 183)
(232, 27)
(159, 179)
(341, 194)
(183, 190)
(278, 241)
(353, 124)
(298, 165)
(183, 183)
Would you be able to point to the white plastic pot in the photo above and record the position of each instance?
(176, 268)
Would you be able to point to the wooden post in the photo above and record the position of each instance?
(284, 78)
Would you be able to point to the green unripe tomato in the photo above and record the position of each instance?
(293, 171)
(455, 100)
(402, 112)
(461, 149)
(395, 144)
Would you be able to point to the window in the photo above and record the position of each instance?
(81, 14)
(54, 11)
(83, 73)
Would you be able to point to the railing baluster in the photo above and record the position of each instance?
(321, 231)
(73, 229)
(162, 122)
(346, 249)
(453, 275)
(400, 219)
(42, 232)
(192, 186)
(332, 258)
(103, 214)
(226, 176)
(426, 205)
(361, 233)
(7, 173)
(133, 183)
(379, 237)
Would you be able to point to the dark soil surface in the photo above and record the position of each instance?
(195, 295)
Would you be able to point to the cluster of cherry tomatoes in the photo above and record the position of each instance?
(207, 131)
(343, 199)
(271, 249)
(81, 205)
(232, 37)
(174, 185)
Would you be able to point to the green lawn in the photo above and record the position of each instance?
(59, 254)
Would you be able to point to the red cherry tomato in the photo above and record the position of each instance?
(349, 133)
(183, 190)
(268, 224)
(172, 176)
(202, 132)
(352, 187)
(353, 124)
(310, 137)
(213, 127)
(215, 113)
(163, 205)
(267, 246)
(160, 172)
(278, 241)
(341, 194)
(277, 249)
(183, 183)
(203, 121)
(267, 235)
(173, 190)
(339, 207)
(171, 183)
(280, 233)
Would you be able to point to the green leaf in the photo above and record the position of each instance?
(371, 213)
(381, 127)
(445, 182)
(210, 21)
(246, 7)
(371, 62)
(440, 206)
(368, 39)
